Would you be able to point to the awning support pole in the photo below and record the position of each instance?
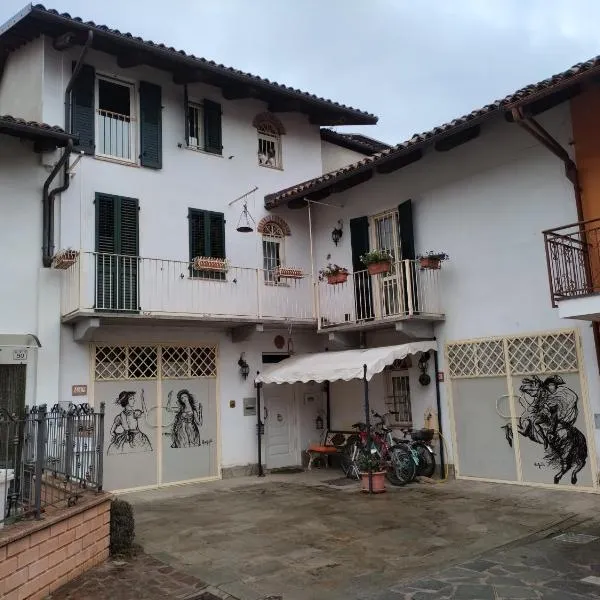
(368, 423)
(439, 414)
(328, 413)
(259, 429)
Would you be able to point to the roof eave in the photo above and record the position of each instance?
(32, 132)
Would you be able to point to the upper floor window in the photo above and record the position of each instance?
(115, 120)
(269, 129)
(273, 250)
(203, 126)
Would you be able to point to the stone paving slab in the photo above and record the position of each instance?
(141, 578)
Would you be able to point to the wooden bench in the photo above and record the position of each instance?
(332, 442)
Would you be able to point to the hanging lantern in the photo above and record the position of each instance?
(245, 222)
(244, 368)
(336, 234)
(319, 422)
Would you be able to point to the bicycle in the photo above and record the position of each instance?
(420, 444)
(400, 461)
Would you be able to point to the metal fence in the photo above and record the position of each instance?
(48, 458)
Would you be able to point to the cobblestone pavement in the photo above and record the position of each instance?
(139, 578)
(559, 567)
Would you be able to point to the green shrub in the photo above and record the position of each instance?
(122, 527)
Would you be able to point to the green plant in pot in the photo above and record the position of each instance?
(377, 261)
(432, 260)
(334, 274)
(371, 467)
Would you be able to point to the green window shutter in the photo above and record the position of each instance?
(83, 110)
(217, 234)
(150, 125)
(186, 112)
(197, 233)
(407, 236)
(105, 224)
(359, 241)
(212, 127)
(128, 232)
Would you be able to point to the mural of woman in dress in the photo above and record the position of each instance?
(125, 434)
(185, 430)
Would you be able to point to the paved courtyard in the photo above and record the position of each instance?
(295, 537)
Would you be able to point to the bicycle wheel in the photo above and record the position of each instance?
(426, 461)
(402, 469)
(349, 466)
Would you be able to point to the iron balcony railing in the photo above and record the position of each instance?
(48, 458)
(573, 259)
(115, 135)
(99, 282)
(407, 290)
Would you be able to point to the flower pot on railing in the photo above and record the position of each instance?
(378, 268)
(288, 273)
(337, 278)
(432, 260)
(205, 263)
(65, 259)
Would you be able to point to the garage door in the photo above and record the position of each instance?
(161, 413)
(519, 410)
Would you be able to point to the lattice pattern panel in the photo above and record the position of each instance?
(477, 359)
(111, 363)
(462, 360)
(188, 362)
(560, 352)
(142, 362)
(525, 355)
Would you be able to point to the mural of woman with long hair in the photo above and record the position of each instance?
(125, 434)
(185, 430)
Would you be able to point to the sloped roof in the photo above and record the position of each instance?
(32, 21)
(544, 94)
(354, 141)
(33, 130)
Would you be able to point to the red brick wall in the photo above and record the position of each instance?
(38, 558)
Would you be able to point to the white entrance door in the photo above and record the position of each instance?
(280, 431)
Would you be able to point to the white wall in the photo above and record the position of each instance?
(22, 83)
(484, 203)
(334, 156)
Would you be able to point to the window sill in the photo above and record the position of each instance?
(201, 151)
(117, 161)
(271, 167)
(276, 284)
(211, 280)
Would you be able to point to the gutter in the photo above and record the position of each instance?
(63, 163)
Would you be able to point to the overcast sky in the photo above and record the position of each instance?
(414, 63)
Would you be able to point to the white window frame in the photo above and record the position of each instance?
(273, 234)
(199, 108)
(133, 129)
(267, 134)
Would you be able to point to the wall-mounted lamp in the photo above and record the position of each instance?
(244, 368)
(336, 234)
(424, 377)
(319, 422)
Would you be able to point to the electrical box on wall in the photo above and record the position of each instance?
(249, 407)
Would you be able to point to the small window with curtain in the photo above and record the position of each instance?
(273, 251)
(203, 126)
(269, 129)
(206, 240)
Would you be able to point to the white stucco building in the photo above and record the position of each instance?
(170, 151)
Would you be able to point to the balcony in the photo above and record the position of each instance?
(131, 286)
(573, 261)
(406, 292)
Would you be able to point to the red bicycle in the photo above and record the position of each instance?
(399, 460)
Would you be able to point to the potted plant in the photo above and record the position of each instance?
(65, 258)
(288, 273)
(432, 260)
(207, 263)
(377, 261)
(371, 466)
(334, 274)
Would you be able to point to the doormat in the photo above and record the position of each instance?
(286, 470)
(575, 538)
(340, 482)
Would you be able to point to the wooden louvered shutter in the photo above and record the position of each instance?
(127, 263)
(212, 127)
(217, 234)
(150, 125)
(407, 236)
(197, 233)
(83, 110)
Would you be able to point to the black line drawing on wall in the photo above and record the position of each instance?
(548, 418)
(185, 430)
(125, 434)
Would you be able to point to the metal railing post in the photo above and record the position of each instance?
(408, 277)
(69, 442)
(258, 294)
(100, 446)
(40, 456)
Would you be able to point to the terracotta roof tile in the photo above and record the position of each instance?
(10, 120)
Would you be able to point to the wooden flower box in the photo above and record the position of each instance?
(430, 262)
(65, 259)
(379, 267)
(205, 263)
(337, 278)
(288, 273)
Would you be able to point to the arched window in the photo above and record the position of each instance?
(269, 129)
(273, 238)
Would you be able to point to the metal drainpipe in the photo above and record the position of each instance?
(439, 412)
(63, 162)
